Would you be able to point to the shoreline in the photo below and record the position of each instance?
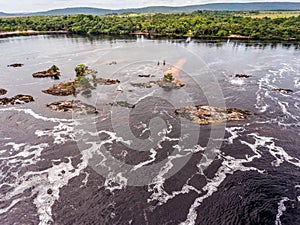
(30, 32)
(236, 37)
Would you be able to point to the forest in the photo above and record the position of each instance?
(199, 24)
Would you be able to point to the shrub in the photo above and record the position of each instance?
(81, 69)
(168, 77)
(83, 82)
(53, 69)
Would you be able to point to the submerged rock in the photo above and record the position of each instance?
(103, 81)
(205, 115)
(122, 104)
(62, 89)
(18, 99)
(72, 106)
(144, 85)
(286, 90)
(112, 63)
(15, 65)
(242, 76)
(3, 91)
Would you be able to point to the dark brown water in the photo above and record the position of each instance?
(146, 165)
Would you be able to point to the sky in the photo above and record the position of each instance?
(10, 6)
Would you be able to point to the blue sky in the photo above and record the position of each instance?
(41, 5)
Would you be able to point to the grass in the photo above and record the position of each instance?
(270, 14)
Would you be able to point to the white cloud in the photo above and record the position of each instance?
(41, 5)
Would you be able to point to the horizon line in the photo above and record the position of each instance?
(147, 6)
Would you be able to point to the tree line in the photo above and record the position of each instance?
(196, 24)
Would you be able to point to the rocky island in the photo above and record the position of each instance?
(205, 115)
(52, 72)
(75, 106)
(18, 99)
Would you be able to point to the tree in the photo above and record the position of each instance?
(81, 69)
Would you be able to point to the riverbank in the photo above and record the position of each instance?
(150, 35)
(30, 32)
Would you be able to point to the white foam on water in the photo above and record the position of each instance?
(277, 152)
(29, 154)
(265, 96)
(237, 81)
(298, 187)
(44, 184)
(115, 182)
(35, 115)
(297, 82)
(15, 146)
(234, 131)
(281, 210)
(85, 180)
(158, 192)
(231, 165)
(260, 104)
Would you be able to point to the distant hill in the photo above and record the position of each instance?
(257, 6)
(70, 11)
(4, 14)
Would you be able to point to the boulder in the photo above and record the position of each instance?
(3, 91)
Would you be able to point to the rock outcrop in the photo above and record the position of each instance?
(62, 89)
(170, 84)
(81, 85)
(74, 106)
(18, 99)
(52, 72)
(164, 83)
(43, 74)
(205, 115)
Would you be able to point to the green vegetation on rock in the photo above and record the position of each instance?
(53, 69)
(168, 77)
(81, 69)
